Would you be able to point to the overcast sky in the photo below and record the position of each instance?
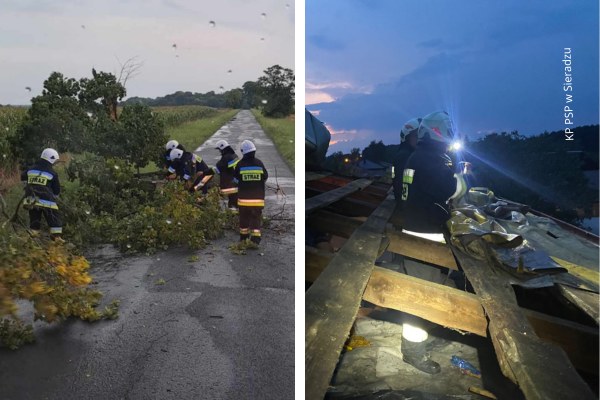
(38, 37)
(493, 65)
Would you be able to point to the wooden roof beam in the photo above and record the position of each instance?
(324, 199)
(332, 302)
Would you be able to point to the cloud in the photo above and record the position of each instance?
(328, 85)
(483, 92)
(327, 92)
(345, 139)
(317, 97)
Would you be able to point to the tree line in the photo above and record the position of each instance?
(88, 115)
(273, 93)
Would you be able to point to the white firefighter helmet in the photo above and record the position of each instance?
(247, 147)
(175, 154)
(411, 126)
(222, 144)
(437, 126)
(50, 155)
(171, 144)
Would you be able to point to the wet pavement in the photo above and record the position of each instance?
(219, 327)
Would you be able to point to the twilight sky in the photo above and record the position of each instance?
(493, 65)
(38, 37)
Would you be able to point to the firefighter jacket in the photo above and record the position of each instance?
(427, 183)
(189, 165)
(43, 185)
(226, 167)
(251, 175)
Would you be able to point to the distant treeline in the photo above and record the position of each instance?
(273, 93)
(544, 171)
(180, 98)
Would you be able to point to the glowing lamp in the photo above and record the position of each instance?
(456, 146)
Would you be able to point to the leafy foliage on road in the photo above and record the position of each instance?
(51, 277)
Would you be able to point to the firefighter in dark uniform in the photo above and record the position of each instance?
(41, 190)
(251, 175)
(429, 185)
(191, 169)
(408, 143)
(225, 168)
(429, 178)
(171, 144)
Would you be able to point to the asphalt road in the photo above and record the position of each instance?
(221, 327)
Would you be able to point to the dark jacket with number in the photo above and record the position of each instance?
(226, 168)
(189, 164)
(42, 183)
(427, 183)
(251, 175)
(399, 162)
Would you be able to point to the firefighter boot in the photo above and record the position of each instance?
(255, 239)
(415, 354)
(58, 239)
(244, 236)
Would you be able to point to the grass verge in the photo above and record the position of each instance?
(281, 131)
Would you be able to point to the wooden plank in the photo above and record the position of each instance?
(437, 303)
(361, 195)
(421, 249)
(332, 302)
(324, 199)
(377, 189)
(542, 370)
(586, 301)
(326, 221)
(357, 197)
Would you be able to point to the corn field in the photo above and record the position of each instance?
(177, 115)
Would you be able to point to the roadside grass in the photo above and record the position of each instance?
(281, 131)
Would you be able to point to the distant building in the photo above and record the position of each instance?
(371, 169)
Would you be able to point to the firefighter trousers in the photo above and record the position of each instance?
(250, 223)
(51, 215)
